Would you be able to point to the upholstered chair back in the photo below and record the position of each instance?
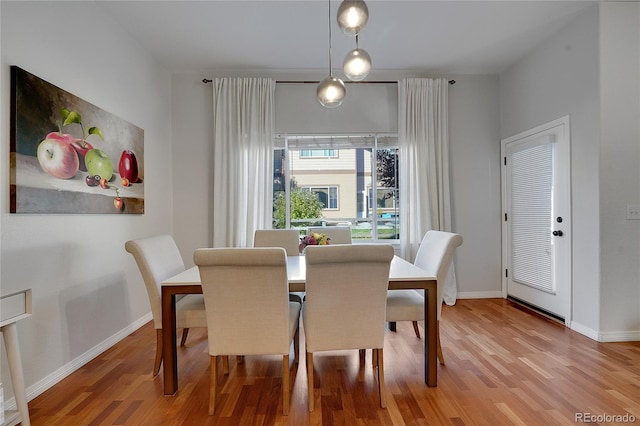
(337, 234)
(158, 258)
(246, 296)
(435, 255)
(346, 293)
(289, 239)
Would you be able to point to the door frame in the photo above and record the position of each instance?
(565, 122)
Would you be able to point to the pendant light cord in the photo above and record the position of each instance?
(329, 20)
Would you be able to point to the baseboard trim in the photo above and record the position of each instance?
(584, 330)
(619, 336)
(46, 383)
(606, 336)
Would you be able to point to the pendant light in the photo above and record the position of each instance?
(331, 90)
(357, 64)
(352, 16)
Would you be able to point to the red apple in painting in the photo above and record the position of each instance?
(58, 158)
(60, 136)
(80, 145)
(128, 166)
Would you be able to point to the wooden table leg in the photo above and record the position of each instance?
(169, 349)
(430, 340)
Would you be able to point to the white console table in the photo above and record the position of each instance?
(18, 306)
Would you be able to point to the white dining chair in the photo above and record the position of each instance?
(346, 288)
(336, 234)
(246, 295)
(158, 258)
(435, 256)
(288, 239)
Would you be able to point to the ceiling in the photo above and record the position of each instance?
(432, 37)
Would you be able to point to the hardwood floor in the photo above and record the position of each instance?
(503, 366)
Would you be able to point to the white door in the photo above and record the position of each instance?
(537, 218)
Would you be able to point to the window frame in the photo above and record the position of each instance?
(285, 150)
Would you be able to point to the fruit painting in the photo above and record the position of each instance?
(70, 156)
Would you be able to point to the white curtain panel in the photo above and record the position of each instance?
(243, 129)
(423, 138)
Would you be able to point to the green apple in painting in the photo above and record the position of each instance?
(58, 158)
(99, 163)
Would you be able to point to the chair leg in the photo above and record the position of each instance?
(374, 358)
(225, 364)
(185, 331)
(212, 386)
(440, 355)
(416, 329)
(392, 326)
(158, 361)
(296, 346)
(285, 385)
(381, 391)
(310, 379)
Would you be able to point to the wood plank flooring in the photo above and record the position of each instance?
(504, 366)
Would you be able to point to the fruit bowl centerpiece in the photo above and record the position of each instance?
(313, 239)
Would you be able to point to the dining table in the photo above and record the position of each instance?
(402, 275)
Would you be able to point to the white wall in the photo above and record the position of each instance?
(475, 183)
(87, 291)
(367, 108)
(475, 155)
(619, 170)
(192, 133)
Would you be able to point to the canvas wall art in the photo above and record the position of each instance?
(70, 156)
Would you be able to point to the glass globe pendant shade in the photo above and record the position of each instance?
(352, 16)
(331, 92)
(357, 64)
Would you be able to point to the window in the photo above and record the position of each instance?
(328, 196)
(318, 153)
(352, 181)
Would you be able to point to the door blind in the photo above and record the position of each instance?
(531, 209)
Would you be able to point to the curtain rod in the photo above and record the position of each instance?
(206, 80)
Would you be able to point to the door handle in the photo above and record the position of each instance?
(557, 233)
